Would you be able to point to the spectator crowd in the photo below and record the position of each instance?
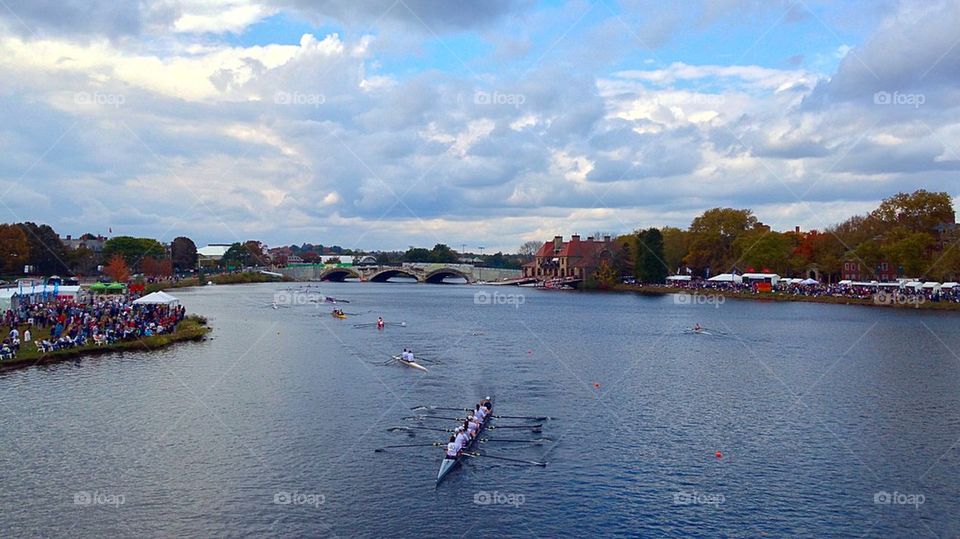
(65, 323)
(879, 292)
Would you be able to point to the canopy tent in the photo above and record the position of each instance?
(931, 284)
(726, 278)
(107, 287)
(809, 282)
(950, 286)
(679, 278)
(157, 298)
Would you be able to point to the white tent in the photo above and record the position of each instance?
(950, 286)
(679, 278)
(931, 284)
(157, 298)
(726, 278)
(809, 281)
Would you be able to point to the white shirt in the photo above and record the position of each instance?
(452, 449)
(463, 439)
(472, 428)
(480, 414)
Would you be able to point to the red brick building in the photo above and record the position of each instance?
(854, 270)
(571, 259)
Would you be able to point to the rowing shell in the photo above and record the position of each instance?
(413, 364)
(340, 316)
(447, 465)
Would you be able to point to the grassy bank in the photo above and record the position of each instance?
(654, 290)
(192, 328)
(221, 278)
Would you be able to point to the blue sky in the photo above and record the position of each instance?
(381, 124)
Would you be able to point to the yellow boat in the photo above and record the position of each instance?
(340, 316)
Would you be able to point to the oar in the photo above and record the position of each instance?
(541, 418)
(531, 462)
(537, 441)
(531, 427)
(415, 417)
(440, 408)
(420, 428)
(384, 448)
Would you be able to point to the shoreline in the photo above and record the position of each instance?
(192, 328)
(656, 290)
(219, 279)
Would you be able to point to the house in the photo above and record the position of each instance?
(571, 259)
(89, 241)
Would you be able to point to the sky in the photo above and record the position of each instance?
(382, 124)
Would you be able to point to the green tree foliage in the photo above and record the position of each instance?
(133, 250)
(14, 249)
(236, 256)
(183, 253)
(648, 258)
(712, 235)
(674, 247)
(910, 253)
(83, 261)
(417, 254)
(47, 254)
(443, 254)
(760, 248)
(920, 211)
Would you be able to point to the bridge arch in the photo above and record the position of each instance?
(339, 274)
(384, 275)
(437, 276)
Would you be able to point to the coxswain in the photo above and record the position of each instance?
(379, 322)
(697, 327)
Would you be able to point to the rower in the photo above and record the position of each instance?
(452, 448)
(462, 438)
(480, 413)
(471, 428)
(697, 327)
(379, 322)
(410, 356)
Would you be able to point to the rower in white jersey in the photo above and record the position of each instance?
(453, 448)
(462, 439)
(480, 413)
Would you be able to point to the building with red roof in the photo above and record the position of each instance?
(568, 259)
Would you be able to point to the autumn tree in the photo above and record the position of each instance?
(47, 254)
(117, 269)
(920, 211)
(674, 247)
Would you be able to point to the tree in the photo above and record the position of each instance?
(183, 253)
(649, 264)
(47, 254)
(910, 253)
(82, 261)
(236, 256)
(14, 249)
(442, 254)
(712, 235)
(417, 254)
(384, 258)
(763, 249)
(606, 275)
(117, 269)
(256, 253)
(133, 250)
(920, 211)
(530, 248)
(674, 247)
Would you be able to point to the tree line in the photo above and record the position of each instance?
(913, 234)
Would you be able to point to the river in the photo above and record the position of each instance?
(780, 419)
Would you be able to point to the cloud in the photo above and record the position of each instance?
(421, 16)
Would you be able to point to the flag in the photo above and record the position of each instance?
(110, 230)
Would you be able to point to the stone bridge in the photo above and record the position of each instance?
(423, 273)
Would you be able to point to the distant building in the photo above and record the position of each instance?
(853, 269)
(89, 241)
(212, 254)
(571, 259)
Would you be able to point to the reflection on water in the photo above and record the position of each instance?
(827, 418)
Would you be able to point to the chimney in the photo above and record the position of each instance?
(589, 238)
(606, 239)
(557, 243)
(69, 237)
(797, 230)
(575, 237)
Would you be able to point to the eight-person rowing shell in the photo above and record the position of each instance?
(465, 434)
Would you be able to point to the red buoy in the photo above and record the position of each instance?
(719, 455)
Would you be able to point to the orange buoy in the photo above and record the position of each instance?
(719, 455)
